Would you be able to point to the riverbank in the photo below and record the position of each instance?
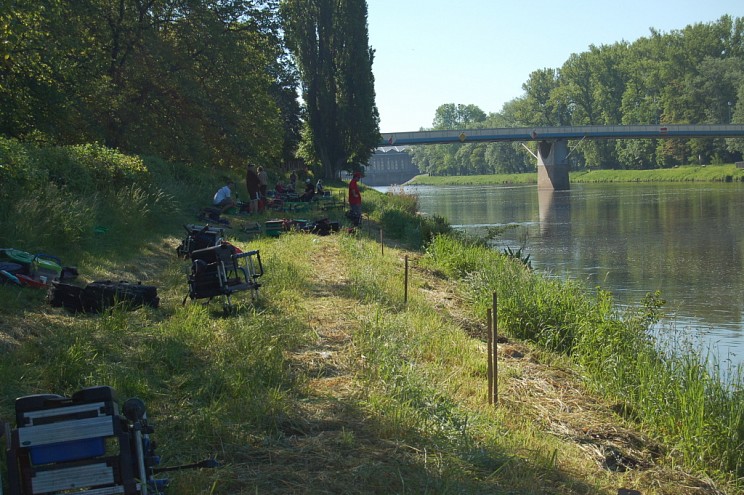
(691, 173)
(330, 382)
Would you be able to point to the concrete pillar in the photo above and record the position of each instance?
(552, 165)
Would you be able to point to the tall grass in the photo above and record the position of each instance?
(214, 385)
(52, 199)
(397, 213)
(677, 394)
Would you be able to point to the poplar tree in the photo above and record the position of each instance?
(330, 44)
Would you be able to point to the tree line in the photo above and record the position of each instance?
(208, 82)
(690, 76)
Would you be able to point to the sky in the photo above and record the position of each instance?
(480, 52)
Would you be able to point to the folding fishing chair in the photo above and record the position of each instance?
(220, 271)
(82, 445)
(199, 237)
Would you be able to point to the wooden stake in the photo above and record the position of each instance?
(382, 243)
(490, 359)
(405, 284)
(495, 351)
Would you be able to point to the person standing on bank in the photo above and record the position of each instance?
(355, 199)
(263, 182)
(252, 183)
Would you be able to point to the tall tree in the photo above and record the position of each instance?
(330, 43)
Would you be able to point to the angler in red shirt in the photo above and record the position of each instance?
(355, 199)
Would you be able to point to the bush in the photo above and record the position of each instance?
(399, 217)
(18, 173)
(53, 196)
(109, 169)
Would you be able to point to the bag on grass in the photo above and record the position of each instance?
(101, 295)
(68, 296)
(104, 294)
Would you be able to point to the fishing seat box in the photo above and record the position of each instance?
(274, 227)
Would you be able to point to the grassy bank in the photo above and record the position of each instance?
(707, 173)
(676, 394)
(330, 383)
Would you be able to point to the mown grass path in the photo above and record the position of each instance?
(337, 441)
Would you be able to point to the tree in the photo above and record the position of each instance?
(542, 102)
(457, 116)
(198, 81)
(329, 41)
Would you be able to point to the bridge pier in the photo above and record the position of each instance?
(552, 165)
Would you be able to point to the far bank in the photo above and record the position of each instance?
(691, 173)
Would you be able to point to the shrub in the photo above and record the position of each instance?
(109, 169)
(18, 173)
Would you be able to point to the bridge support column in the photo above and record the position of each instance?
(552, 165)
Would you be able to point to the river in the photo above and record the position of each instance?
(685, 240)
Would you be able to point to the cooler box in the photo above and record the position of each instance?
(274, 228)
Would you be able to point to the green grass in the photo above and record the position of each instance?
(677, 394)
(474, 180)
(691, 173)
(401, 407)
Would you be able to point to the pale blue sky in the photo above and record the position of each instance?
(480, 52)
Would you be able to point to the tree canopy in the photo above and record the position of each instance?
(329, 41)
(690, 76)
(216, 82)
(204, 81)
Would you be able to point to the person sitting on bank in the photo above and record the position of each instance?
(223, 197)
(319, 188)
(309, 191)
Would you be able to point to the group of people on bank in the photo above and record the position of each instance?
(257, 184)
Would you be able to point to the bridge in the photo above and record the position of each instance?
(552, 149)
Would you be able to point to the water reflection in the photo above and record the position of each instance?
(684, 240)
(554, 209)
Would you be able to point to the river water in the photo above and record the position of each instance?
(686, 240)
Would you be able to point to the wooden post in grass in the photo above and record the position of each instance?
(405, 284)
(382, 243)
(490, 360)
(495, 351)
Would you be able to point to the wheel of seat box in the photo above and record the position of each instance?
(134, 409)
(35, 402)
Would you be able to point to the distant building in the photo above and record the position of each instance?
(390, 165)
